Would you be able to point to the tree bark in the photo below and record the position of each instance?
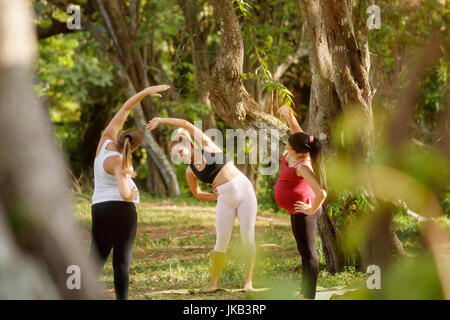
(124, 53)
(324, 108)
(45, 240)
(137, 79)
(340, 68)
(199, 30)
(157, 155)
(228, 96)
(95, 118)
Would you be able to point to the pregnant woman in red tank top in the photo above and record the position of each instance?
(301, 190)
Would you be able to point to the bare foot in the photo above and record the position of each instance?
(248, 287)
(210, 288)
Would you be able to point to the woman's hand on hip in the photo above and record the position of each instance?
(302, 207)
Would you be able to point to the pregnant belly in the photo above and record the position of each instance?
(286, 195)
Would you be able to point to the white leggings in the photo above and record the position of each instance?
(236, 197)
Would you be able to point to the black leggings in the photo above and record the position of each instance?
(304, 228)
(114, 226)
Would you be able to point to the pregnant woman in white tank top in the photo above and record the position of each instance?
(114, 216)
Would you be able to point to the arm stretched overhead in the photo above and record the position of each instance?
(195, 132)
(114, 126)
(288, 113)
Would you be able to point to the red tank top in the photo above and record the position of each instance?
(291, 188)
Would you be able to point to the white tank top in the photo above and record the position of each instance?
(105, 184)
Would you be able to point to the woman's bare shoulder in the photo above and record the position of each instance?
(103, 139)
(304, 168)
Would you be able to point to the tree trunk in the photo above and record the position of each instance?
(118, 38)
(324, 108)
(136, 78)
(198, 30)
(229, 99)
(157, 155)
(154, 179)
(95, 117)
(340, 84)
(44, 240)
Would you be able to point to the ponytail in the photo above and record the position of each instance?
(317, 160)
(127, 160)
(129, 140)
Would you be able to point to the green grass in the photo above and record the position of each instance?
(408, 231)
(171, 255)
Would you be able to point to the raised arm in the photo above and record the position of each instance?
(288, 113)
(117, 122)
(195, 189)
(195, 132)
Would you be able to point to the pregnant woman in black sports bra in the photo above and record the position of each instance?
(233, 191)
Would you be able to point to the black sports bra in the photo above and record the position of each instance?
(212, 168)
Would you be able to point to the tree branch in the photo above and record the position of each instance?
(57, 27)
(411, 213)
(291, 59)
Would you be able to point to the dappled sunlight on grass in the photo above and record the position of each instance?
(171, 254)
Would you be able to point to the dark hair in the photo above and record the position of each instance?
(305, 143)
